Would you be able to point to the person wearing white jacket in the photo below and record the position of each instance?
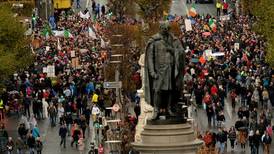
(45, 108)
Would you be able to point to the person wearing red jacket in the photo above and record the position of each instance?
(214, 90)
(225, 7)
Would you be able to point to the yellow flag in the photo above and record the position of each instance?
(165, 13)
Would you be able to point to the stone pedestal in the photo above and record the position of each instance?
(146, 109)
(146, 113)
(168, 139)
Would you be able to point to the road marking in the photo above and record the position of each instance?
(228, 108)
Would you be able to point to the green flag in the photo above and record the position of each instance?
(45, 32)
(94, 18)
(67, 34)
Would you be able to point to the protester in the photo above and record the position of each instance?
(10, 145)
(20, 145)
(31, 143)
(81, 145)
(63, 134)
(39, 145)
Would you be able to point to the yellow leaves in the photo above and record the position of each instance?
(153, 9)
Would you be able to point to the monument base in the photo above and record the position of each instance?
(168, 139)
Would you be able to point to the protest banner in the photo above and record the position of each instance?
(188, 25)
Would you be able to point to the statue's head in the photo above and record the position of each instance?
(164, 27)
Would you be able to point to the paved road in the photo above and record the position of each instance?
(179, 7)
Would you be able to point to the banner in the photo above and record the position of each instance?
(217, 54)
(188, 25)
(51, 71)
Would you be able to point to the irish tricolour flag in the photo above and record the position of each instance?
(192, 11)
(212, 24)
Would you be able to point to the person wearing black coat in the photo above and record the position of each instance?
(63, 133)
(31, 143)
(69, 121)
(22, 131)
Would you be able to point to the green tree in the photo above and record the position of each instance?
(264, 12)
(15, 53)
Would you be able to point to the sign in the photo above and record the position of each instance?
(207, 54)
(51, 71)
(225, 18)
(115, 107)
(188, 25)
(72, 54)
(47, 48)
(113, 84)
(45, 69)
(75, 62)
(236, 46)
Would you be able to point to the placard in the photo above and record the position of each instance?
(236, 46)
(72, 54)
(51, 71)
(188, 25)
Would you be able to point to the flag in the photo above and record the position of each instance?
(45, 32)
(58, 44)
(202, 60)
(91, 33)
(103, 43)
(84, 16)
(212, 24)
(67, 34)
(58, 33)
(192, 11)
(94, 18)
(165, 14)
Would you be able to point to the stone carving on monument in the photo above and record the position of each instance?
(162, 127)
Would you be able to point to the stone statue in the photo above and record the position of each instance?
(164, 68)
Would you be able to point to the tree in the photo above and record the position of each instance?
(122, 7)
(264, 12)
(15, 53)
(153, 9)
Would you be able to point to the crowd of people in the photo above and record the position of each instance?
(226, 62)
(72, 95)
